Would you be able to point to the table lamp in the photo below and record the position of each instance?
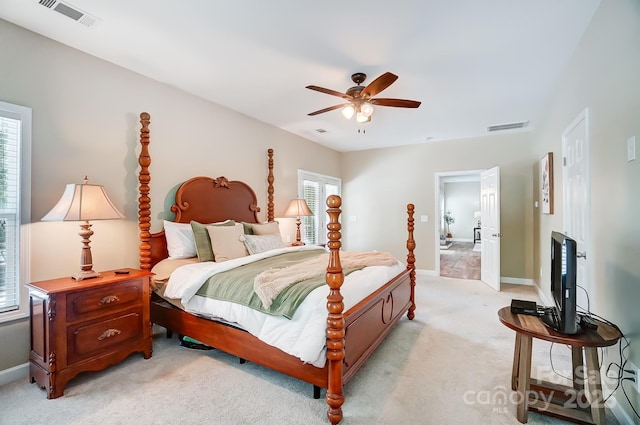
(84, 202)
(297, 208)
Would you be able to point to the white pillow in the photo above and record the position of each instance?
(260, 243)
(180, 240)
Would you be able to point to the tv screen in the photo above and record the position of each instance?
(563, 282)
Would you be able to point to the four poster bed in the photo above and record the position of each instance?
(351, 330)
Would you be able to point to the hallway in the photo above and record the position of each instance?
(460, 261)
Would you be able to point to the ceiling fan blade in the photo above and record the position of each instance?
(331, 92)
(398, 103)
(330, 108)
(379, 84)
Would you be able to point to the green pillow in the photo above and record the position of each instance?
(201, 237)
(248, 228)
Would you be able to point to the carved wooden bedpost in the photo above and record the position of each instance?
(335, 319)
(144, 202)
(270, 179)
(411, 260)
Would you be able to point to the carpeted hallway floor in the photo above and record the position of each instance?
(460, 261)
(450, 365)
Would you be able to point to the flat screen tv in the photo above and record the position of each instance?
(563, 283)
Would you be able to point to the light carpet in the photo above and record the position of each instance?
(450, 365)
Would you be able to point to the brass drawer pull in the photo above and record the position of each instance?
(109, 333)
(109, 299)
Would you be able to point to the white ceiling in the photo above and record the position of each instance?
(471, 63)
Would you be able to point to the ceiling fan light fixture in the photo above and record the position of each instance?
(360, 99)
(366, 109)
(362, 118)
(348, 111)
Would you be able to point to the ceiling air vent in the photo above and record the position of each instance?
(510, 126)
(321, 130)
(71, 12)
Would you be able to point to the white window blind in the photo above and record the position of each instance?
(310, 225)
(315, 188)
(15, 134)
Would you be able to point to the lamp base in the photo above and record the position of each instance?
(86, 274)
(297, 243)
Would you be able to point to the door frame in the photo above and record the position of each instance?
(439, 180)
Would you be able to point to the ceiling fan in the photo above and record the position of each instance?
(360, 98)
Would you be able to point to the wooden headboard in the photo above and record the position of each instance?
(201, 199)
(208, 200)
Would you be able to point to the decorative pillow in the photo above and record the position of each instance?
(226, 243)
(270, 228)
(260, 243)
(180, 240)
(202, 241)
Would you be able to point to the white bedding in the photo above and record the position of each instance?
(304, 335)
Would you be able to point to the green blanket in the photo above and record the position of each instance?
(237, 285)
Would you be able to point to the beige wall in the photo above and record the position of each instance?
(86, 122)
(379, 183)
(603, 76)
(462, 199)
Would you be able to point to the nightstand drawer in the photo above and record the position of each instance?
(84, 304)
(85, 341)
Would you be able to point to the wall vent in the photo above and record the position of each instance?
(510, 126)
(71, 12)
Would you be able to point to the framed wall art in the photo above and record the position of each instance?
(546, 183)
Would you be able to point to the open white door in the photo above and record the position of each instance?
(490, 234)
(576, 196)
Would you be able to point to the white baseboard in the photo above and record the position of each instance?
(503, 279)
(516, 280)
(543, 297)
(14, 373)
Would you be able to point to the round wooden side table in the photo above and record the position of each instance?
(583, 402)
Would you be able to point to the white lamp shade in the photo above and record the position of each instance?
(348, 111)
(297, 208)
(366, 109)
(361, 118)
(477, 214)
(83, 202)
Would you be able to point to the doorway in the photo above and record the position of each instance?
(458, 220)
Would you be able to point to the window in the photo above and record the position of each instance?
(315, 188)
(15, 160)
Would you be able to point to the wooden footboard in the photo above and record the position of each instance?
(368, 322)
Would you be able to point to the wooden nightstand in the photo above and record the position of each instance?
(86, 325)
